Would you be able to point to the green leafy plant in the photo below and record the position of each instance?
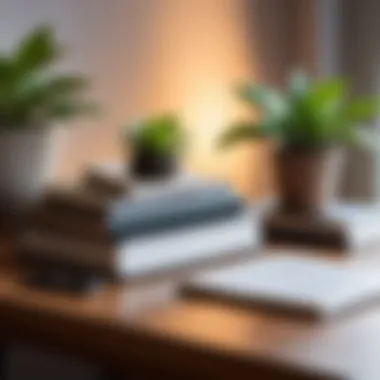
(31, 95)
(309, 115)
(160, 135)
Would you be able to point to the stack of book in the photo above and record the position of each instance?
(97, 230)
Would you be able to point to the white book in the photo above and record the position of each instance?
(185, 246)
(145, 254)
(303, 287)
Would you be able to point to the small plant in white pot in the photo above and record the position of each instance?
(33, 98)
(309, 123)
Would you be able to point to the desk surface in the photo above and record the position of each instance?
(147, 324)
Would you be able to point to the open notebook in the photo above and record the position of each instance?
(300, 287)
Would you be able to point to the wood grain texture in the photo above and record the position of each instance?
(147, 329)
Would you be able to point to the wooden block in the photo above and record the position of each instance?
(344, 227)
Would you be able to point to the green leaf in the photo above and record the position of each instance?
(29, 92)
(329, 92)
(6, 82)
(160, 134)
(266, 99)
(298, 84)
(67, 85)
(363, 109)
(241, 132)
(311, 114)
(326, 101)
(36, 51)
(67, 110)
(37, 91)
(6, 70)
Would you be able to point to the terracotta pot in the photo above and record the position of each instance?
(307, 179)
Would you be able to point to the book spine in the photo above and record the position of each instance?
(84, 204)
(71, 224)
(137, 257)
(38, 249)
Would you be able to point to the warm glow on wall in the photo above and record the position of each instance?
(207, 113)
(204, 50)
(149, 57)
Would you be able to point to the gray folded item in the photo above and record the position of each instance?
(136, 216)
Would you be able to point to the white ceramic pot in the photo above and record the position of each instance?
(24, 163)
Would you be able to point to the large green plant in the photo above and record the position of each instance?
(31, 94)
(308, 115)
(161, 135)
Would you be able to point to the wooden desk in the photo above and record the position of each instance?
(147, 330)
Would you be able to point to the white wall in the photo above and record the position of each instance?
(152, 55)
(113, 41)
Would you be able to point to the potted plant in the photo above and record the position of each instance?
(156, 144)
(32, 99)
(308, 123)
